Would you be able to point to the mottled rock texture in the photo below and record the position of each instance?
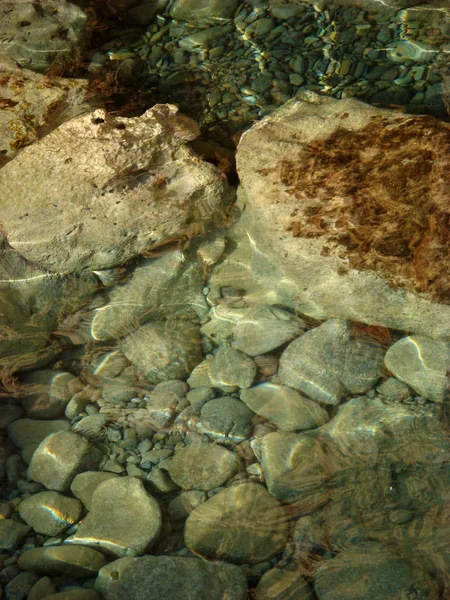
(111, 187)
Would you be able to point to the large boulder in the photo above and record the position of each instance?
(352, 199)
(111, 187)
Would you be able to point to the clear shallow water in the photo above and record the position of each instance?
(302, 457)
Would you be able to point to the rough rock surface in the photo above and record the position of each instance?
(326, 189)
(170, 578)
(121, 187)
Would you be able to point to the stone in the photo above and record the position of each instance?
(171, 578)
(12, 534)
(47, 393)
(123, 208)
(60, 457)
(9, 414)
(240, 524)
(327, 362)
(423, 364)
(279, 583)
(403, 51)
(202, 466)
(369, 5)
(41, 589)
(34, 37)
(164, 350)
(296, 167)
(212, 12)
(394, 389)
(18, 588)
(124, 519)
(371, 572)
(263, 329)
(75, 594)
(75, 561)
(24, 432)
(182, 505)
(50, 513)
(226, 419)
(232, 368)
(284, 406)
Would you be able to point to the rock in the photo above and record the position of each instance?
(222, 322)
(34, 104)
(41, 589)
(232, 368)
(85, 484)
(241, 524)
(423, 364)
(75, 561)
(157, 289)
(119, 390)
(164, 350)
(170, 578)
(394, 389)
(226, 419)
(202, 466)
(182, 505)
(123, 208)
(297, 166)
(50, 38)
(285, 407)
(371, 572)
(75, 594)
(199, 396)
(369, 5)
(283, 583)
(124, 519)
(60, 457)
(327, 362)
(212, 12)
(50, 513)
(47, 393)
(12, 534)
(9, 414)
(24, 432)
(109, 365)
(263, 329)
(18, 588)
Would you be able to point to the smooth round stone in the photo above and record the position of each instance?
(24, 432)
(43, 588)
(404, 51)
(170, 578)
(48, 393)
(226, 419)
(60, 457)
(18, 588)
(203, 466)
(76, 561)
(231, 367)
(283, 583)
(242, 524)
(9, 413)
(285, 407)
(124, 518)
(12, 534)
(85, 484)
(50, 513)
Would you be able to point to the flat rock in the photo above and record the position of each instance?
(226, 419)
(75, 561)
(170, 578)
(283, 583)
(12, 534)
(232, 368)
(284, 406)
(60, 457)
(47, 393)
(84, 485)
(300, 165)
(24, 432)
(423, 364)
(164, 350)
(124, 519)
(241, 524)
(139, 168)
(50, 513)
(203, 466)
(201, 13)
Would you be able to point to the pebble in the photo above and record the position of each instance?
(12, 534)
(231, 368)
(75, 561)
(50, 513)
(226, 419)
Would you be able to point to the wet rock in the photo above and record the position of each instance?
(75, 561)
(171, 578)
(283, 583)
(12, 534)
(423, 364)
(372, 5)
(232, 368)
(164, 350)
(371, 572)
(60, 457)
(50, 513)
(285, 407)
(200, 13)
(157, 289)
(203, 466)
(242, 524)
(47, 393)
(41, 589)
(51, 36)
(124, 519)
(304, 162)
(326, 363)
(75, 594)
(18, 588)
(130, 202)
(394, 389)
(222, 321)
(182, 505)
(226, 419)
(24, 432)
(9, 414)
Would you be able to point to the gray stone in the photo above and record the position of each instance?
(226, 419)
(170, 578)
(124, 519)
(283, 583)
(423, 364)
(203, 466)
(41, 589)
(50, 513)
(182, 505)
(24, 432)
(164, 350)
(284, 406)
(60, 457)
(227, 527)
(47, 393)
(75, 561)
(9, 413)
(394, 389)
(18, 588)
(197, 12)
(12, 534)
(232, 368)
